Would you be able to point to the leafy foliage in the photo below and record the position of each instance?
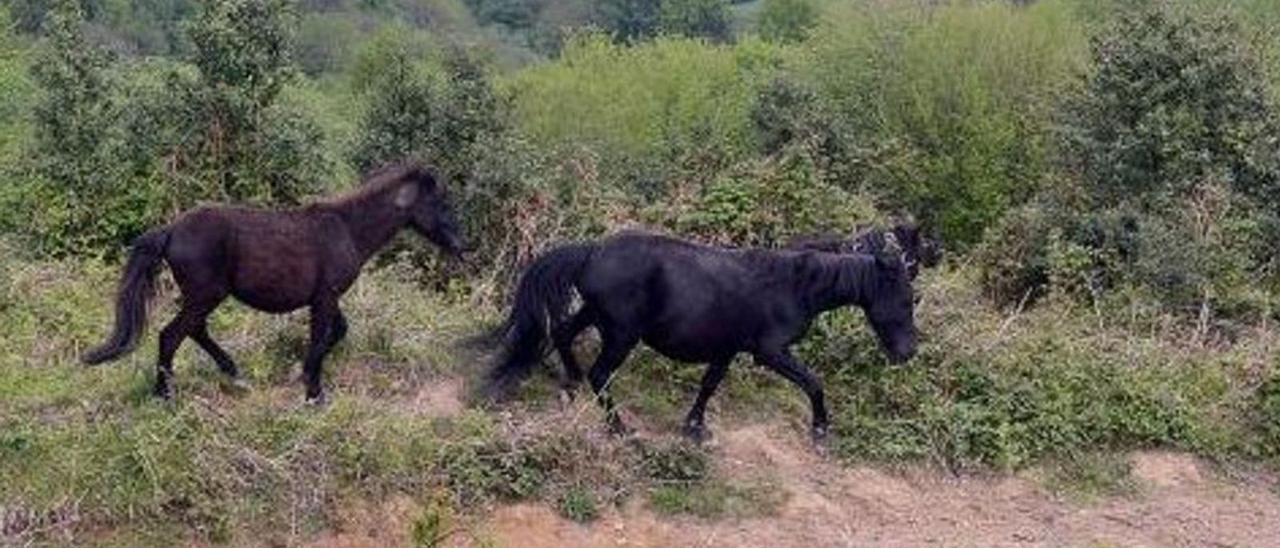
(696, 18)
(633, 20)
(787, 20)
(1177, 100)
(949, 111)
(1171, 140)
(75, 139)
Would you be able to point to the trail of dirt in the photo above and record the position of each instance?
(830, 505)
(1180, 502)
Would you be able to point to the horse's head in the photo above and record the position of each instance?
(429, 211)
(890, 307)
(917, 249)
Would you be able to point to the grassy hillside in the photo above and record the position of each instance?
(89, 455)
(1103, 176)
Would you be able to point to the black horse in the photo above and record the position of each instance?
(904, 239)
(702, 304)
(917, 250)
(274, 261)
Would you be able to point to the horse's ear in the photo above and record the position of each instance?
(407, 194)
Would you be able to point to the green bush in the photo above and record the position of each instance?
(767, 203)
(1059, 387)
(1177, 100)
(579, 505)
(787, 20)
(696, 19)
(1167, 139)
(119, 146)
(1269, 416)
(949, 105)
(645, 109)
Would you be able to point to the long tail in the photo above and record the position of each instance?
(543, 295)
(137, 286)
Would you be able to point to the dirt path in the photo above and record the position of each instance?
(1180, 502)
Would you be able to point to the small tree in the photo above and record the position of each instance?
(242, 51)
(77, 202)
(448, 114)
(73, 120)
(1171, 179)
(1176, 101)
(399, 116)
(434, 112)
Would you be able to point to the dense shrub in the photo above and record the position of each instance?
(696, 18)
(950, 105)
(120, 146)
(1171, 161)
(75, 172)
(1177, 100)
(646, 109)
(982, 393)
(787, 20)
(768, 202)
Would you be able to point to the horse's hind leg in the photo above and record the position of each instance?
(228, 366)
(182, 326)
(564, 336)
(200, 334)
(694, 423)
(614, 351)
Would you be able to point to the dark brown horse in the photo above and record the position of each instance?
(274, 261)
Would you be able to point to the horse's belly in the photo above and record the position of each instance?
(267, 301)
(696, 342)
(690, 353)
(275, 290)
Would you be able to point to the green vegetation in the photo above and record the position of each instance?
(1104, 176)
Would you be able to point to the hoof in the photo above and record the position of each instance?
(566, 396)
(821, 438)
(619, 429)
(318, 400)
(696, 432)
(239, 385)
(163, 392)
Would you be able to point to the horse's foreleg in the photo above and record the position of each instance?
(789, 367)
(694, 424)
(200, 334)
(323, 320)
(614, 351)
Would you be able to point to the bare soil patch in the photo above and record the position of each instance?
(1180, 504)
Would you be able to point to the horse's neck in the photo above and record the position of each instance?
(372, 221)
(831, 282)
